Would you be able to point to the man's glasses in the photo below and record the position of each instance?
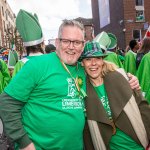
(76, 43)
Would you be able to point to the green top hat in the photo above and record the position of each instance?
(29, 28)
(35, 15)
(113, 39)
(103, 40)
(92, 49)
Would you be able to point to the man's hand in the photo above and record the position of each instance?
(133, 81)
(29, 147)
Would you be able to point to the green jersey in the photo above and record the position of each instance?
(53, 115)
(113, 57)
(130, 62)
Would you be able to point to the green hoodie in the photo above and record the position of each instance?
(4, 75)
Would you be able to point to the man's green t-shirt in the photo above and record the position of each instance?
(120, 140)
(53, 115)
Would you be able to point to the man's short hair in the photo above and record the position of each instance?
(72, 23)
(50, 48)
(132, 43)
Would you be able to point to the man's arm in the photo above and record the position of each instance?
(10, 112)
(133, 81)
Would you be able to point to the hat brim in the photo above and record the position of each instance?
(93, 56)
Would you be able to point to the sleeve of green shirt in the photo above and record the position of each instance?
(10, 112)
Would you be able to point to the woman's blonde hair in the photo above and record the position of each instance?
(107, 67)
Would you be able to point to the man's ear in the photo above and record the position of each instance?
(56, 42)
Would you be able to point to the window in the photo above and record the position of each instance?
(140, 11)
(136, 34)
(139, 2)
(140, 16)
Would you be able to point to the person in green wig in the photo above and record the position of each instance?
(117, 116)
(4, 75)
(43, 106)
(130, 57)
(30, 30)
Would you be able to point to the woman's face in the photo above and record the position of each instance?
(93, 67)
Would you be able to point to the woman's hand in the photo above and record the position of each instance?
(29, 147)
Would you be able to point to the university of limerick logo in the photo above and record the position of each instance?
(71, 88)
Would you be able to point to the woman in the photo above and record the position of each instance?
(145, 48)
(117, 117)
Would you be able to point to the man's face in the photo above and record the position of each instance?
(93, 67)
(136, 47)
(69, 52)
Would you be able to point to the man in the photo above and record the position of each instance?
(49, 48)
(108, 41)
(134, 45)
(53, 113)
(130, 57)
(47, 108)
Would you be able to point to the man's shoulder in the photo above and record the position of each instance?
(147, 55)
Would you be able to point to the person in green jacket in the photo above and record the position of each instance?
(34, 47)
(43, 106)
(143, 74)
(4, 75)
(112, 56)
(108, 42)
(130, 57)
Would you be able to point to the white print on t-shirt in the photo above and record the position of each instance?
(71, 88)
(71, 104)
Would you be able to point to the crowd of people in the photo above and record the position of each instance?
(77, 96)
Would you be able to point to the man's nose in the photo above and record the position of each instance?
(71, 45)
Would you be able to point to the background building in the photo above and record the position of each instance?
(7, 24)
(88, 26)
(127, 19)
